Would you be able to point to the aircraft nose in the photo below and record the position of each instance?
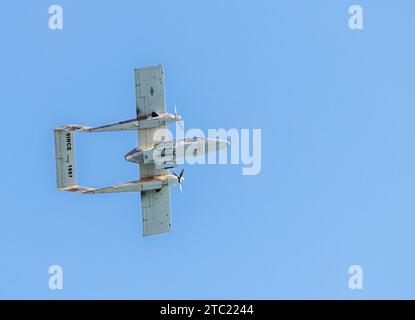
(130, 156)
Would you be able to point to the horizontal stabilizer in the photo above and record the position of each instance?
(65, 158)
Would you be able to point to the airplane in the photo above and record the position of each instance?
(155, 154)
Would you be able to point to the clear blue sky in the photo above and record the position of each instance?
(336, 108)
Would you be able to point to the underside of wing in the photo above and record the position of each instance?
(155, 207)
(150, 101)
(149, 84)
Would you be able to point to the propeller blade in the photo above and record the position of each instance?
(179, 179)
(178, 122)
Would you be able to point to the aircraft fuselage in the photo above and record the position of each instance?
(165, 154)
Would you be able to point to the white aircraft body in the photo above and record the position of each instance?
(155, 154)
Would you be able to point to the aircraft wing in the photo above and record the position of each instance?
(149, 84)
(156, 211)
(155, 205)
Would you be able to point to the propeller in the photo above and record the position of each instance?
(178, 122)
(175, 113)
(179, 179)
